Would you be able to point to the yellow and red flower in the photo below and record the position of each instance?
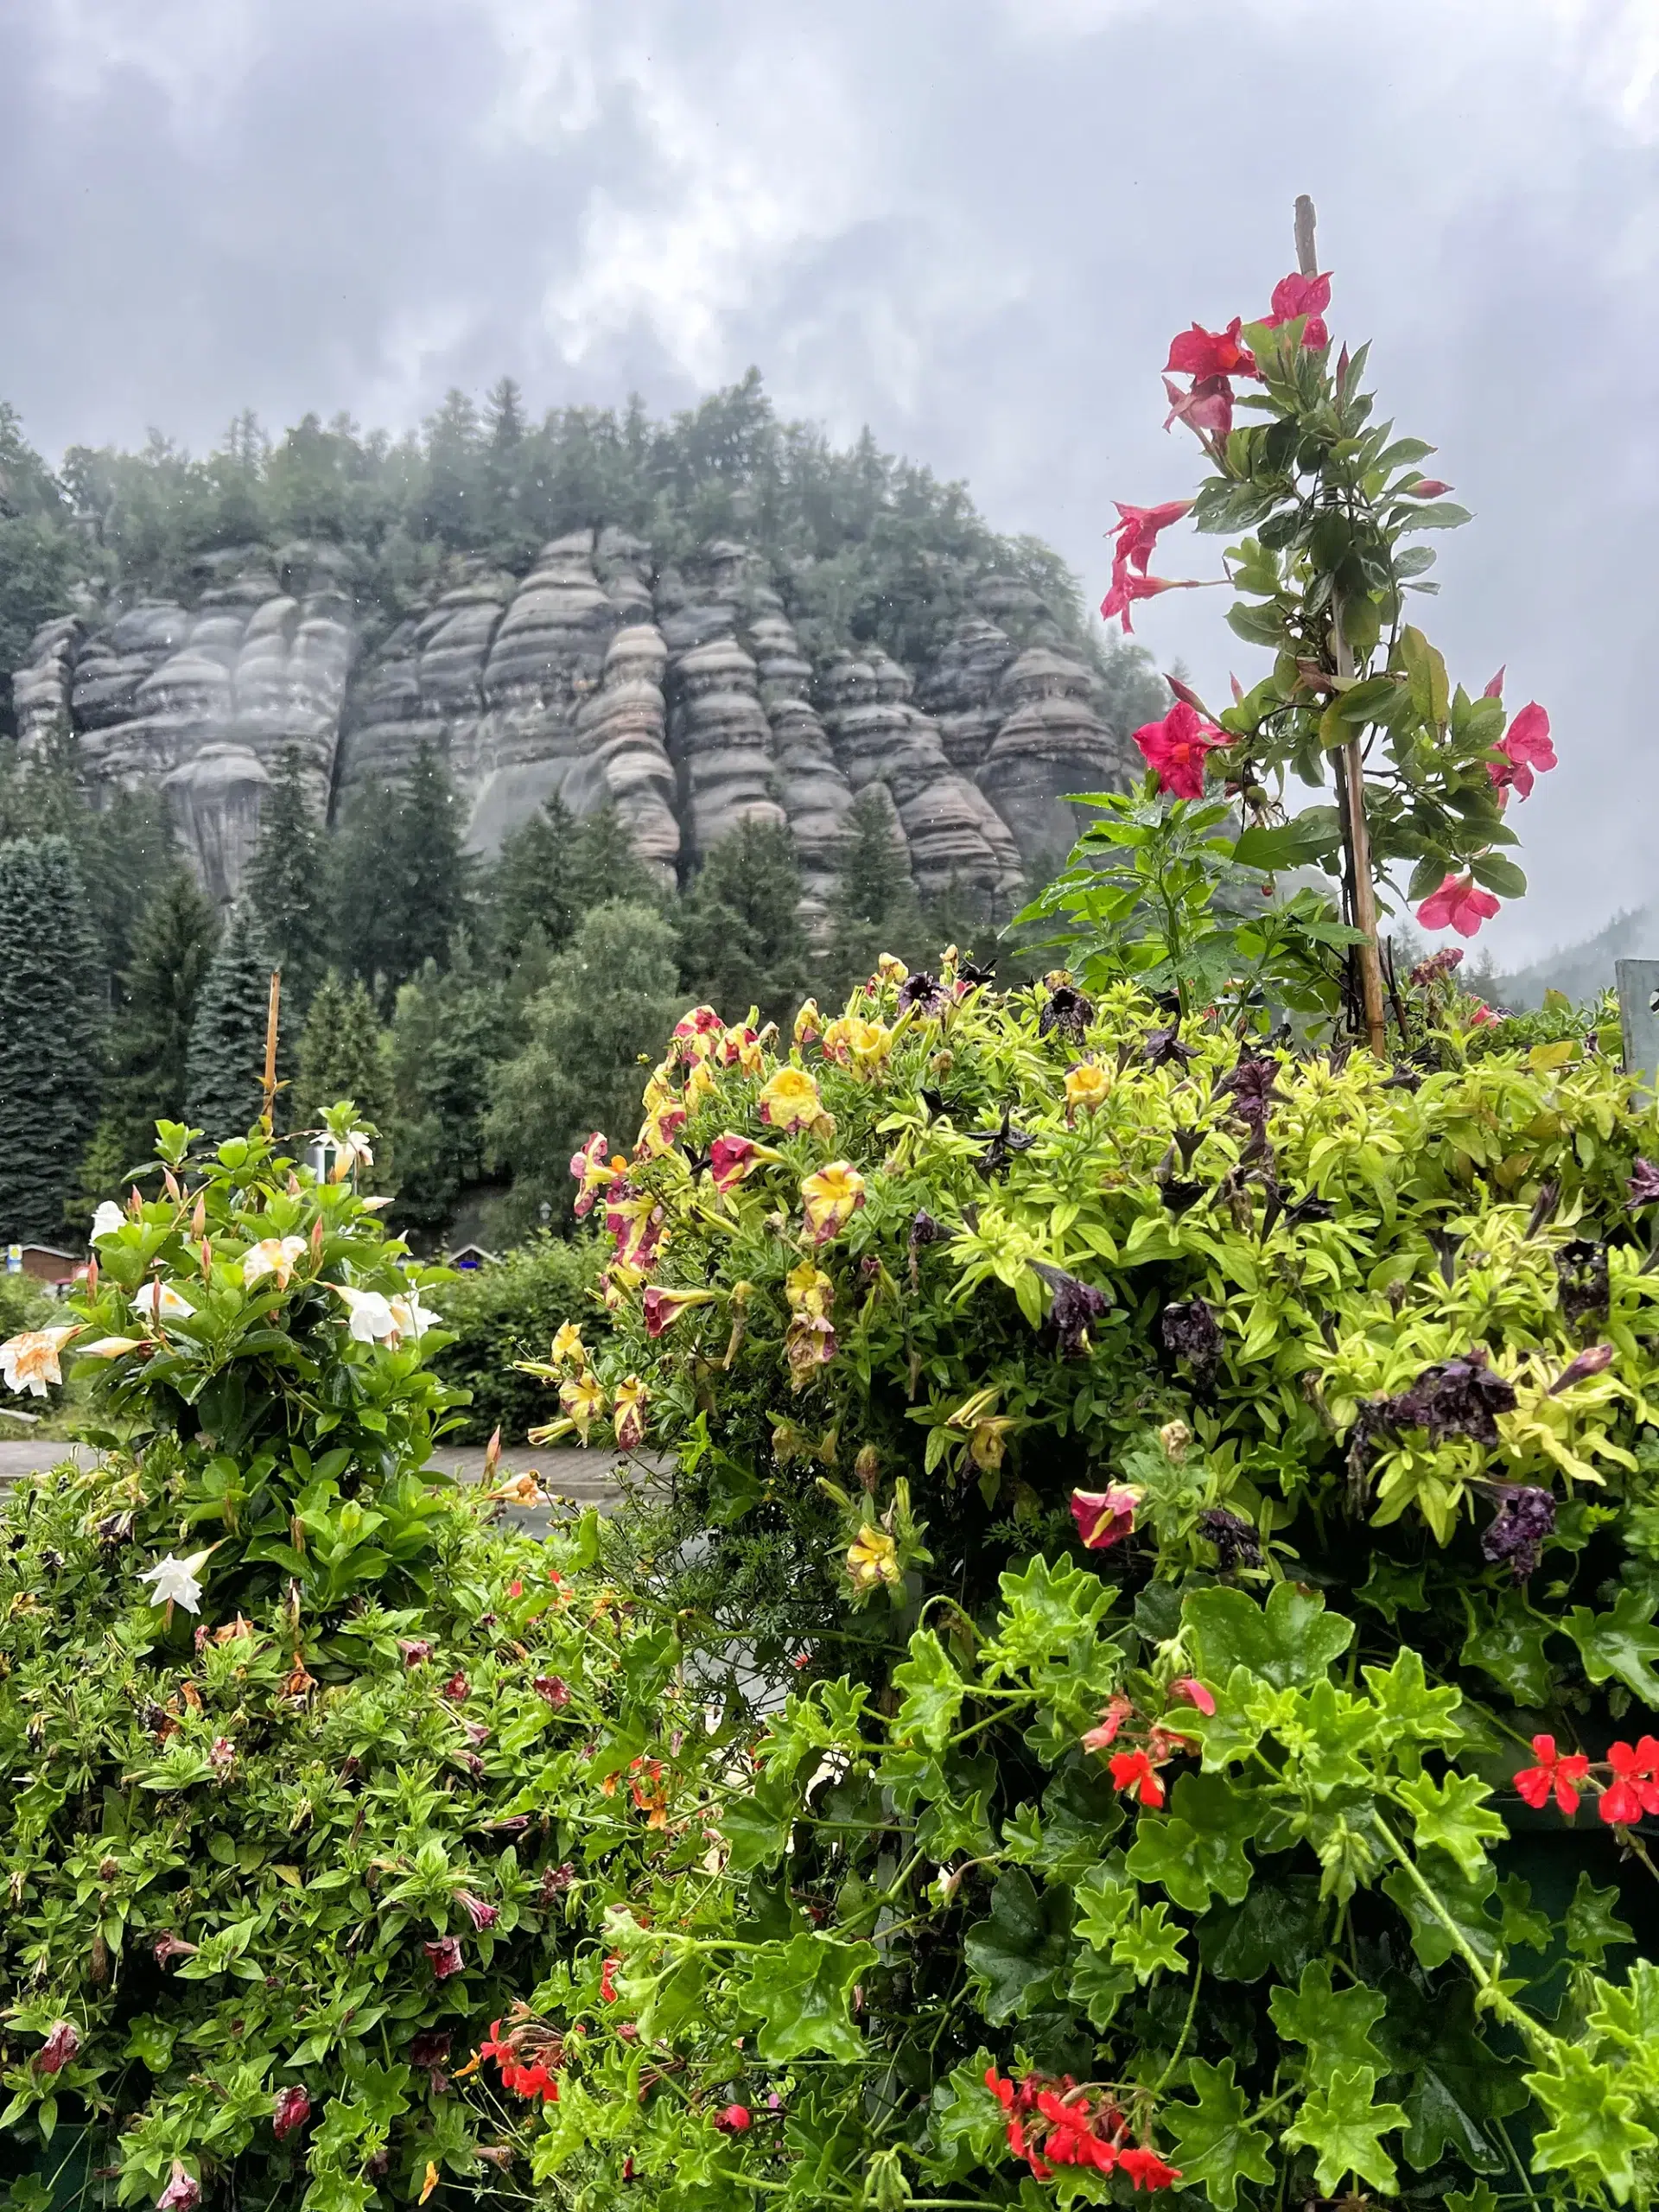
(873, 1561)
(789, 1100)
(831, 1197)
(628, 1413)
(663, 1307)
(1086, 1088)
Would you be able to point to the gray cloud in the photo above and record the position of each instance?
(972, 225)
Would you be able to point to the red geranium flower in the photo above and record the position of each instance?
(1561, 1776)
(1457, 905)
(1297, 295)
(1201, 352)
(1176, 748)
(1134, 1771)
(607, 1979)
(1145, 2169)
(1191, 1692)
(1634, 1789)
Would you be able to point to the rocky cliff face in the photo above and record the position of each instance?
(682, 695)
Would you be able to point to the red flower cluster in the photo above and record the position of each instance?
(1052, 2124)
(1631, 1789)
(1135, 1769)
(525, 2069)
(1137, 532)
(1176, 749)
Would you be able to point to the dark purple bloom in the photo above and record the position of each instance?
(1543, 1206)
(1001, 1145)
(1592, 1361)
(1642, 1189)
(1517, 1531)
(1178, 1196)
(115, 1529)
(1190, 1331)
(1252, 1086)
(1582, 1268)
(974, 974)
(1459, 1397)
(1235, 1539)
(1311, 1207)
(556, 1880)
(923, 992)
(1164, 1048)
(428, 2054)
(1066, 1010)
(1446, 1248)
(1074, 1307)
(923, 1229)
(554, 1688)
(167, 1947)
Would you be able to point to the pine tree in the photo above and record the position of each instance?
(150, 1041)
(604, 867)
(342, 1055)
(532, 882)
(50, 1009)
(225, 1067)
(874, 908)
(286, 885)
(741, 940)
(612, 995)
(446, 1038)
(401, 881)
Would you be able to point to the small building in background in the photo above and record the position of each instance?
(46, 1264)
(470, 1257)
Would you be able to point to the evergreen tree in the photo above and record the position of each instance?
(874, 908)
(532, 882)
(446, 1039)
(611, 995)
(50, 1012)
(342, 1055)
(741, 940)
(401, 882)
(604, 865)
(285, 884)
(150, 1041)
(225, 1067)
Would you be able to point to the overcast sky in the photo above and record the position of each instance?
(972, 224)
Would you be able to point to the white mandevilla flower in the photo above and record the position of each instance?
(178, 1580)
(111, 1347)
(108, 1219)
(354, 1147)
(372, 1318)
(163, 1301)
(29, 1362)
(272, 1255)
(413, 1319)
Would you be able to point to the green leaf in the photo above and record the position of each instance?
(1343, 2125)
(1498, 874)
(1460, 2085)
(1439, 514)
(1046, 1610)
(1506, 1640)
(1216, 2147)
(932, 1691)
(1623, 1643)
(1200, 1847)
(1591, 2129)
(1631, 2015)
(1290, 1641)
(1407, 1707)
(1592, 1927)
(1288, 844)
(757, 1826)
(1149, 1943)
(966, 2124)
(1478, 2199)
(1280, 1923)
(799, 1991)
(1080, 1810)
(1100, 1987)
(1335, 2025)
(1464, 1903)
(1018, 1956)
(1452, 1816)
(1425, 666)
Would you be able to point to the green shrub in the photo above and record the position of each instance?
(509, 1312)
(23, 1304)
(287, 1816)
(1041, 1379)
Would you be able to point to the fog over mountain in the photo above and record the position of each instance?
(972, 225)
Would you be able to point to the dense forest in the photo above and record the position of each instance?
(484, 1015)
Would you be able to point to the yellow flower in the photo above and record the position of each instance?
(832, 1198)
(1085, 1087)
(871, 1560)
(582, 1399)
(790, 1099)
(809, 1290)
(29, 1362)
(741, 1047)
(628, 1413)
(891, 969)
(809, 1022)
(699, 1085)
(272, 1255)
(870, 1043)
(430, 2181)
(568, 1345)
(837, 1039)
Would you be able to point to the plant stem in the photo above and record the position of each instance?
(1352, 777)
(1186, 2030)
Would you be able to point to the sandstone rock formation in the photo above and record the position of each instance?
(681, 693)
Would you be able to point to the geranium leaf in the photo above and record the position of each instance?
(1452, 1816)
(1506, 1640)
(1290, 1641)
(1459, 2085)
(1335, 2025)
(1018, 1954)
(1280, 1923)
(1592, 1927)
(1214, 2146)
(1344, 2128)
(757, 1826)
(1592, 2133)
(1200, 1847)
(799, 1991)
(1465, 1901)
(1624, 1643)
(1149, 1943)
(932, 1691)
(966, 2124)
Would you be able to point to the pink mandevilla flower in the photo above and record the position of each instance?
(1201, 352)
(1295, 295)
(1207, 408)
(1139, 529)
(1526, 749)
(1457, 905)
(1175, 749)
(1126, 588)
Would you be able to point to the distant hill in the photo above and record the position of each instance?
(1584, 968)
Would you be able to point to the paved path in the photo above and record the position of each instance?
(584, 1477)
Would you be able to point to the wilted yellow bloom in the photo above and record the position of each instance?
(272, 1255)
(699, 1085)
(809, 1022)
(29, 1361)
(871, 1560)
(869, 1042)
(1175, 1436)
(891, 969)
(568, 1345)
(808, 1290)
(788, 1099)
(832, 1198)
(582, 1399)
(1085, 1087)
(628, 1413)
(741, 1047)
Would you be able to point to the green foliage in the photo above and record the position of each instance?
(402, 883)
(342, 1055)
(225, 1065)
(741, 938)
(285, 884)
(874, 908)
(1003, 1251)
(447, 1034)
(50, 1039)
(507, 1313)
(609, 997)
(150, 1038)
(243, 1811)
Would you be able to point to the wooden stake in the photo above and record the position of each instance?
(1351, 761)
(268, 1117)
